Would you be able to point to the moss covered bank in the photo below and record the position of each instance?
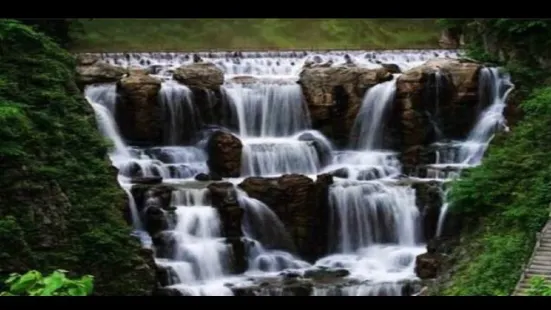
(60, 204)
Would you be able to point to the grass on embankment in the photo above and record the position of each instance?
(143, 35)
(507, 200)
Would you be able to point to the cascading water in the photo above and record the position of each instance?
(177, 102)
(494, 87)
(375, 226)
(367, 127)
(199, 256)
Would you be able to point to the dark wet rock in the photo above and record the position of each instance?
(318, 273)
(224, 154)
(146, 180)
(324, 151)
(154, 69)
(214, 176)
(416, 91)
(91, 70)
(197, 58)
(200, 75)
(392, 68)
(155, 219)
(168, 291)
(429, 200)
(290, 274)
(224, 198)
(160, 194)
(333, 96)
(286, 287)
(428, 265)
(138, 113)
(302, 206)
(202, 177)
(239, 262)
(340, 173)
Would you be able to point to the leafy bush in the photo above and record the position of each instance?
(505, 201)
(539, 287)
(33, 283)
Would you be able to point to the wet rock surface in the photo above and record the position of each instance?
(423, 98)
(334, 95)
(301, 205)
(224, 154)
(200, 75)
(427, 265)
(429, 200)
(139, 114)
(91, 70)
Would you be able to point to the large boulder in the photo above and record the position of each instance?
(301, 205)
(423, 99)
(204, 79)
(139, 113)
(200, 75)
(428, 265)
(91, 70)
(224, 154)
(334, 96)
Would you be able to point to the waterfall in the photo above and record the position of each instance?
(494, 88)
(368, 125)
(180, 113)
(491, 119)
(271, 244)
(268, 109)
(375, 227)
(366, 213)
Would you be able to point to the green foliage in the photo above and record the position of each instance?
(523, 46)
(222, 34)
(60, 202)
(505, 201)
(539, 287)
(33, 283)
(63, 31)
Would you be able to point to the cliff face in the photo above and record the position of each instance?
(60, 204)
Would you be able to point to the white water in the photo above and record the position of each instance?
(491, 120)
(375, 225)
(368, 126)
(180, 112)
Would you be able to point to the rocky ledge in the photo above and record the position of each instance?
(332, 95)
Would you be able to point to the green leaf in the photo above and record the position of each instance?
(13, 277)
(26, 282)
(53, 282)
(88, 283)
(77, 291)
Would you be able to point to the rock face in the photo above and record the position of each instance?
(200, 75)
(139, 113)
(301, 204)
(152, 201)
(418, 110)
(91, 70)
(334, 95)
(429, 201)
(224, 154)
(204, 79)
(224, 199)
(428, 265)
